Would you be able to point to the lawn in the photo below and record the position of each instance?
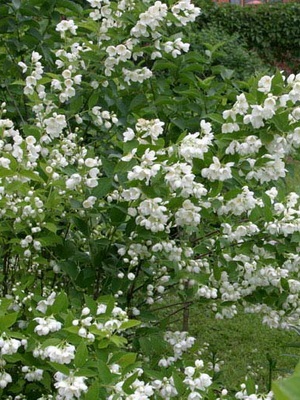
(244, 346)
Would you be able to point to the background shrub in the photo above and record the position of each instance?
(270, 29)
(228, 50)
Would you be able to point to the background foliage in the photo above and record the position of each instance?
(228, 50)
(271, 29)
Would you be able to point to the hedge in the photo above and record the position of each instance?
(273, 29)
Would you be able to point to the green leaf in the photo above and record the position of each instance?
(250, 386)
(216, 118)
(93, 392)
(103, 343)
(60, 367)
(82, 225)
(50, 240)
(232, 194)
(163, 64)
(14, 358)
(91, 304)
(61, 303)
(104, 372)
(86, 372)
(4, 172)
(281, 121)
(130, 324)
(126, 386)
(31, 175)
(138, 102)
(81, 355)
(76, 104)
(256, 214)
(119, 341)
(51, 342)
(117, 214)
(93, 100)
(284, 284)
(7, 321)
(267, 210)
(51, 227)
(297, 370)
(180, 123)
(75, 204)
(215, 188)
(70, 5)
(277, 83)
(287, 389)
(103, 188)
(127, 359)
(70, 268)
(180, 387)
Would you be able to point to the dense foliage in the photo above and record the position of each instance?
(228, 50)
(271, 29)
(128, 175)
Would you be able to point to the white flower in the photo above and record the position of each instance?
(4, 162)
(95, 3)
(176, 47)
(9, 346)
(70, 387)
(152, 214)
(203, 381)
(101, 309)
(192, 146)
(66, 25)
(150, 19)
(23, 66)
(189, 371)
(188, 214)
(131, 194)
(89, 202)
(91, 162)
(60, 354)
(55, 125)
(5, 379)
(131, 276)
(128, 135)
(73, 181)
(152, 128)
(184, 11)
(43, 304)
(47, 325)
(217, 171)
(35, 57)
(85, 311)
(195, 396)
(137, 75)
(91, 182)
(264, 84)
(34, 374)
(230, 127)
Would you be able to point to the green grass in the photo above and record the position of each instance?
(246, 346)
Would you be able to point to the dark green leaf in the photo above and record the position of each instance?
(81, 355)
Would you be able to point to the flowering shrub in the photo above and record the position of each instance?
(123, 182)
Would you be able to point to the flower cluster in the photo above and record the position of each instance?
(69, 387)
(180, 342)
(46, 325)
(62, 354)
